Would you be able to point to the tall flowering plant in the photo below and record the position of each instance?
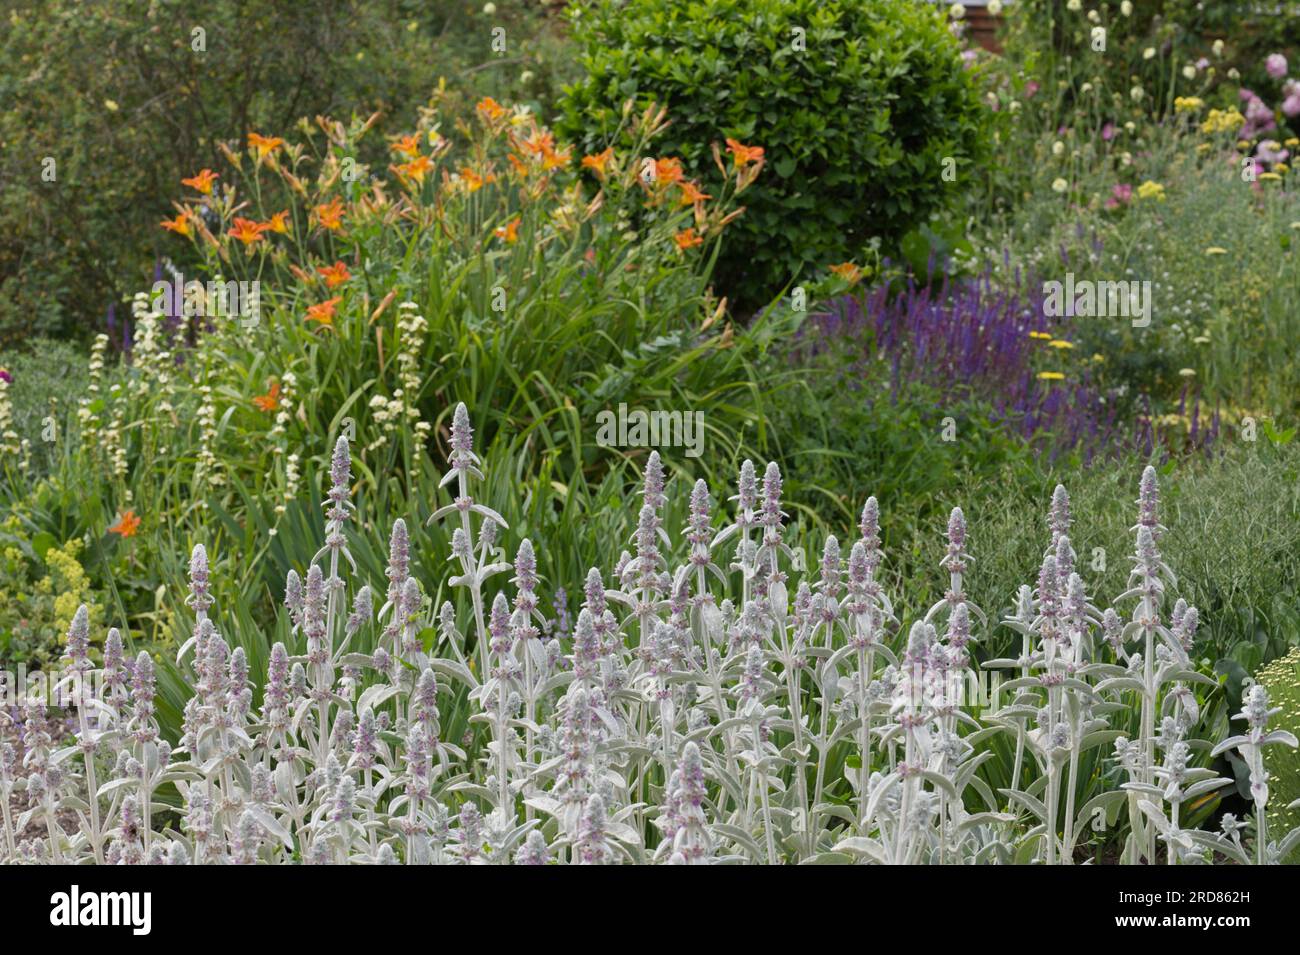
(699, 713)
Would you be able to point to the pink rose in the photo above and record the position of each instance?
(1275, 66)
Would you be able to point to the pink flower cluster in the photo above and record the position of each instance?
(1259, 118)
(1276, 67)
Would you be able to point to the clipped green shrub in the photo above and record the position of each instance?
(856, 103)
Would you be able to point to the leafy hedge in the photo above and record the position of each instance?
(855, 102)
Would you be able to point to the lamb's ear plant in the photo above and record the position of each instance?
(1256, 713)
(713, 701)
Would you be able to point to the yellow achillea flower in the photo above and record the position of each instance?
(1060, 343)
(1215, 250)
(1042, 335)
(1270, 176)
(1223, 121)
(1151, 190)
(1050, 376)
(1188, 104)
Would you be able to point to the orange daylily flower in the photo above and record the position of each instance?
(264, 144)
(407, 146)
(126, 526)
(687, 239)
(335, 275)
(509, 231)
(416, 169)
(330, 214)
(539, 143)
(691, 193)
(247, 231)
(742, 154)
(519, 165)
(323, 312)
(270, 400)
(668, 170)
(847, 271)
(277, 223)
(490, 109)
(553, 159)
(599, 162)
(180, 225)
(473, 181)
(202, 181)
